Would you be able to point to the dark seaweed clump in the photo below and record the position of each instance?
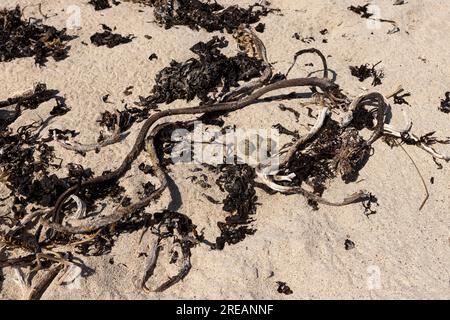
(198, 77)
(366, 71)
(21, 38)
(27, 160)
(445, 103)
(362, 11)
(284, 288)
(334, 151)
(100, 4)
(238, 182)
(13, 107)
(24, 159)
(210, 16)
(109, 39)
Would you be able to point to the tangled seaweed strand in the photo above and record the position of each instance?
(21, 38)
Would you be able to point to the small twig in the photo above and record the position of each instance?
(427, 194)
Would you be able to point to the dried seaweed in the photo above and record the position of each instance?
(445, 103)
(200, 77)
(284, 288)
(209, 16)
(363, 11)
(349, 244)
(366, 71)
(109, 39)
(20, 38)
(329, 150)
(238, 182)
(100, 4)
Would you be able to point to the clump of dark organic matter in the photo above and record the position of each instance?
(13, 107)
(100, 4)
(334, 152)
(25, 159)
(20, 38)
(197, 14)
(198, 77)
(109, 39)
(445, 103)
(401, 98)
(366, 71)
(363, 11)
(284, 288)
(238, 182)
(349, 244)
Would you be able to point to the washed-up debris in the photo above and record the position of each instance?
(349, 244)
(284, 288)
(51, 213)
(238, 182)
(109, 39)
(366, 71)
(198, 14)
(21, 38)
(445, 103)
(198, 77)
(100, 4)
(260, 27)
(364, 12)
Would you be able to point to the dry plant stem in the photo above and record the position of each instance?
(151, 264)
(311, 50)
(26, 220)
(427, 194)
(18, 262)
(82, 148)
(121, 212)
(400, 134)
(324, 84)
(181, 274)
(19, 97)
(311, 134)
(362, 100)
(38, 290)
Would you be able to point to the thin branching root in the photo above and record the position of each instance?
(52, 218)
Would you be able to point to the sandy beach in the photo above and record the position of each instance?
(400, 252)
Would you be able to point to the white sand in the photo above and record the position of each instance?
(408, 249)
